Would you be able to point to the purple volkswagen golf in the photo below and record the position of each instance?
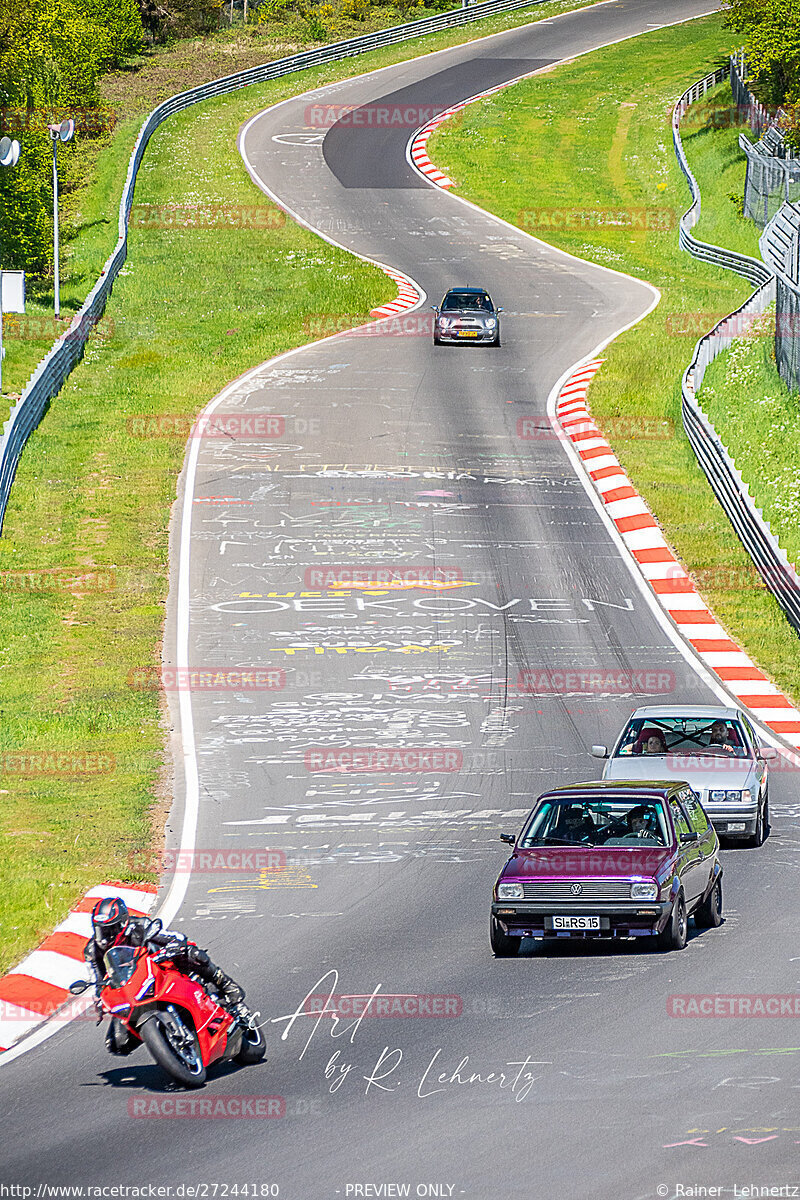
(609, 860)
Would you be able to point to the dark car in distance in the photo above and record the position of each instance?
(610, 860)
(466, 314)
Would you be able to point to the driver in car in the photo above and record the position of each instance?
(112, 925)
(719, 736)
(574, 825)
(640, 823)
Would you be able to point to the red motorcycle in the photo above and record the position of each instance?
(177, 1016)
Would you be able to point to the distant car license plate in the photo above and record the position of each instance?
(576, 922)
(468, 332)
(736, 826)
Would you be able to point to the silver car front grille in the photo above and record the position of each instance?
(590, 889)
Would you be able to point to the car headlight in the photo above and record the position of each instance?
(644, 891)
(509, 891)
(445, 323)
(491, 322)
(744, 795)
(717, 795)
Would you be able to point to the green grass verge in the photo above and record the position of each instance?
(83, 557)
(516, 154)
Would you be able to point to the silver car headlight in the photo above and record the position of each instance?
(445, 322)
(744, 796)
(717, 795)
(509, 891)
(491, 322)
(644, 891)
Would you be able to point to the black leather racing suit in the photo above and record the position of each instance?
(190, 960)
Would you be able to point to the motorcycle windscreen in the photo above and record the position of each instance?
(120, 964)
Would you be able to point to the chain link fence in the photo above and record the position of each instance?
(780, 249)
(773, 171)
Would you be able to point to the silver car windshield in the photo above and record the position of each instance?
(622, 822)
(661, 736)
(466, 302)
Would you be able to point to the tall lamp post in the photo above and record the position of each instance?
(9, 156)
(59, 133)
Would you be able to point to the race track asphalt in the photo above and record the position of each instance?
(395, 454)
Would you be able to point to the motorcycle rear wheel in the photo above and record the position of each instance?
(185, 1065)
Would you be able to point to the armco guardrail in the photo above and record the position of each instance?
(726, 481)
(53, 370)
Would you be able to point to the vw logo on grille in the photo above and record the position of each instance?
(576, 889)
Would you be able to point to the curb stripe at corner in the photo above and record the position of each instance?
(670, 582)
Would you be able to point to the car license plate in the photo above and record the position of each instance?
(736, 827)
(468, 332)
(576, 922)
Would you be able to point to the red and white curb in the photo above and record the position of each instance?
(670, 582)
(39, 986)
(408, 295)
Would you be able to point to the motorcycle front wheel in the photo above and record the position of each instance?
(253, 1047)
(174, 1046)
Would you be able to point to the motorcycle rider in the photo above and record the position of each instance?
(112, 925)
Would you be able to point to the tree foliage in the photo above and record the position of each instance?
(771, 36)
(51, 55)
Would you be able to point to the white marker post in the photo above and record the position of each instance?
(59, 133)
(9, 156)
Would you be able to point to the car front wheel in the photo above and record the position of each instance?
(676, 932)
(502, 944)
(758, 837)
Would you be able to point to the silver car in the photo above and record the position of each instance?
(713, 749)
(466, 314)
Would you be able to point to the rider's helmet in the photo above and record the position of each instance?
(109, 919)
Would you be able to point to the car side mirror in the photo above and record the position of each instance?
(508, 838)
(499, 310)
(434, 308)
(767, 752)
(599, 751)
(690, 837)
(79, 987)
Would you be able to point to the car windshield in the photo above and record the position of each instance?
(121, 964)
(626, 821)
(661, 736)
(472, 301)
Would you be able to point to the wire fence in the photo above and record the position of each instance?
(773, 170)
(719, 468)
(780, 248)
(51, 373)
